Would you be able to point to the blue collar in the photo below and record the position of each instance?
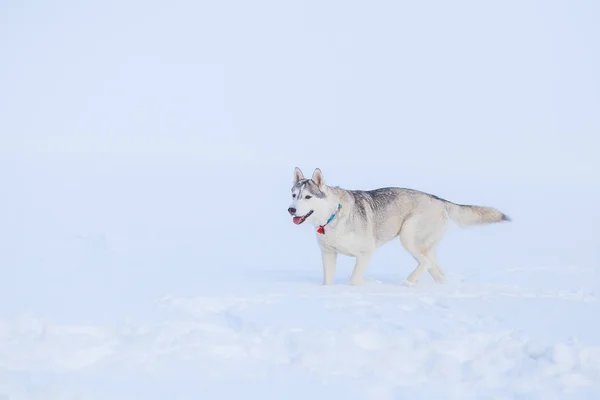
(321, 229)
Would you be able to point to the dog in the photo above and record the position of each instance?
(356, 222)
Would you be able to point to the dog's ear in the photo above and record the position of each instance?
(318, 178)
(298, 175)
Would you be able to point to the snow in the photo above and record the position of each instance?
(299, 340)
(146, 158)
(129, 302)
(296, 339)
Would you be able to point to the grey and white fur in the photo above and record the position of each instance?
(369, 219)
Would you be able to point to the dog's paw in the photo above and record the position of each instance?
(408, 283)
(357, 282)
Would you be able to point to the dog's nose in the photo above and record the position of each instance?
(292, 210)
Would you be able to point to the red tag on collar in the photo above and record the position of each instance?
(321, 230)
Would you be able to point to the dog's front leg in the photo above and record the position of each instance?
(362, 260)
(329, 260)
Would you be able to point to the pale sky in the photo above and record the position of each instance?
(507, 90)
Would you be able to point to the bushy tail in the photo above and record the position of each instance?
(474, 215)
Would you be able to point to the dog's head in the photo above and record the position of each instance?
(308, 196)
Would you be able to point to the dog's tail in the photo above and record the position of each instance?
(465, 215)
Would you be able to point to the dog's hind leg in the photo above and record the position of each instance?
(435, 271)
(419, 236)
(409, 240)
(424, 264)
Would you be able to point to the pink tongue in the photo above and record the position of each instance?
(297, 220)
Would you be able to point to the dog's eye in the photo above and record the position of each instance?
(294, 195)
(307, 197)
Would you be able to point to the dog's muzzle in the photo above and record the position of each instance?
(299, 220)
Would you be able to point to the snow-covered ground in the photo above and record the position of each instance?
(292, 339)
(163, 290)
(146, 158)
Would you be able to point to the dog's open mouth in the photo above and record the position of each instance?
(299, 220)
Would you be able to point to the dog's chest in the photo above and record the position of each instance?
(347, 243)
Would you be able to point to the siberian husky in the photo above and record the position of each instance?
(355, 223)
